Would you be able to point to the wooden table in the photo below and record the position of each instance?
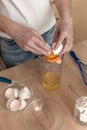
(72, 87)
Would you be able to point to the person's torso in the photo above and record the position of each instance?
(37, 14)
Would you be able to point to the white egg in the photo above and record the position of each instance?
(16, 92)
(23, 104)
(15, 105)
(9, 93)
(24, 93)
(56, 52)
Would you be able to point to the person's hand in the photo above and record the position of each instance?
(29, 39)
(64, 34)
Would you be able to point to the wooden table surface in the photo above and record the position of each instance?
(72, 87)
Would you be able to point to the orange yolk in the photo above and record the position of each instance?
(53, 58)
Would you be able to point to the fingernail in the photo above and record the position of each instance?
(48, 45)
(49, 53)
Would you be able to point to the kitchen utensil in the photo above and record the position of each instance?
(6, 80)
(81, 65)
(50, 74)
(43, 114)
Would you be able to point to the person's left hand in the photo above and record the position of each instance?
(64, 34)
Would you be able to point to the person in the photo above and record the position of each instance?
(28, 27)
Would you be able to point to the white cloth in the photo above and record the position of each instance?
(37, 14)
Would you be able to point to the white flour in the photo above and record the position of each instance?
(81, 110)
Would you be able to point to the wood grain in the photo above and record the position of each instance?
(71, 88)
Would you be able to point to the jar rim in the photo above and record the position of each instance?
(41, 57)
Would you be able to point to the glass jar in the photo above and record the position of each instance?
(80, 111)
(43, 114)
(50, 73)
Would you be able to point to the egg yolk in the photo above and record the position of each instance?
(53, 58)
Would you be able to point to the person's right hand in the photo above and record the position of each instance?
(30, 40)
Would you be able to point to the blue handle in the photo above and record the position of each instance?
(72, 53)
(6, 80)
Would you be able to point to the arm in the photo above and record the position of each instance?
(6, 25)
(64, 31)
(64, 8)
(27, 38)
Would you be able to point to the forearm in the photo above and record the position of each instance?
(64, 9)
(7, 26)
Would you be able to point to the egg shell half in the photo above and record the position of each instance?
(23, 104)
(24, 93)
(15, 105)
(57, 51)
(9, 93)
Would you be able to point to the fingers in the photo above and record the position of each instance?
(38, 47)
(66, 38)
(41, 46)
(66, 46)
(29, 39)
(59, 41)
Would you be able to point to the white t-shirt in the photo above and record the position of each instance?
(37, 14)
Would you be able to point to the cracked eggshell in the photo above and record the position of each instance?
(38, 108)
(15, 105)
(8, 103)
(24, 93)
(9, 93)
(16, 92)
(56, 52)
(23, 104)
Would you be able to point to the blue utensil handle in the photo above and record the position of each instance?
(6, 80)
(72, 53)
